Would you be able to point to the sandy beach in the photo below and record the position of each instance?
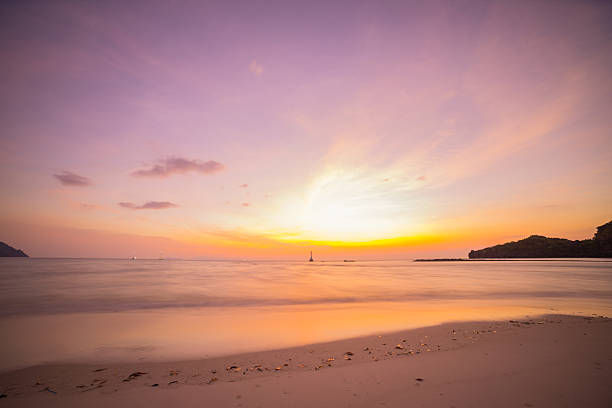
(545, 361)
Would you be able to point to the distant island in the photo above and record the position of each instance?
(7, 250)
(537, 246)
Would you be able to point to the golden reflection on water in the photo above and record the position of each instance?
(171, 334)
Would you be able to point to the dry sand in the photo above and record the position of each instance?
(549, 361)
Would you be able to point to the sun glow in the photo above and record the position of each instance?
(347, 207)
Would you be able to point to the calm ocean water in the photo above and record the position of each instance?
(90, 309)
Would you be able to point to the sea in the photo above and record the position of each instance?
(105, 310)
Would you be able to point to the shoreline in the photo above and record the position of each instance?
(595, 259)
(435, 354)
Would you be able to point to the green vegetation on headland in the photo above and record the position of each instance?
(7, 250)
(537, 246)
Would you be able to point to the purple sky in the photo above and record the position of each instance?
(265, 128)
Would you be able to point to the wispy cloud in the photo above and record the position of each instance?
(246, 204)
(69, 178)
(87, 206)
(255, 68)
(149, 205)
(178, 165)
(243, 185)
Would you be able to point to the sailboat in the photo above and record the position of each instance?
(311, 260)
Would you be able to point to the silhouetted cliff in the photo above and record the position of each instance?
(7, 250)
(537, 246)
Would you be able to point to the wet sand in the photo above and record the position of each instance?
(548, 361)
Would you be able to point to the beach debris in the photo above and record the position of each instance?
(286, 365)
(277, 368)
(212, 380)
(96, 383)
(174, 372)
(419, 379)
(232, 368)
(329, 360)
(134, 375)
(98, 370)
(348, 353)
(155, 385)
(301, 365)
(173, 382)
(49, 390)
(365, 349)
(93, 388)
(3, 396)
(213, 371)
(399, 347)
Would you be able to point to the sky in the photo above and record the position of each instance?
(264, 130)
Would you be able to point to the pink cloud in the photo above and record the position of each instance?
(243, 185)
(68, 178)
(178, 165)
(255, 68)
(246, 204)
(149, 205)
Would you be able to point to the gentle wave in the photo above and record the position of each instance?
(48, 286)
